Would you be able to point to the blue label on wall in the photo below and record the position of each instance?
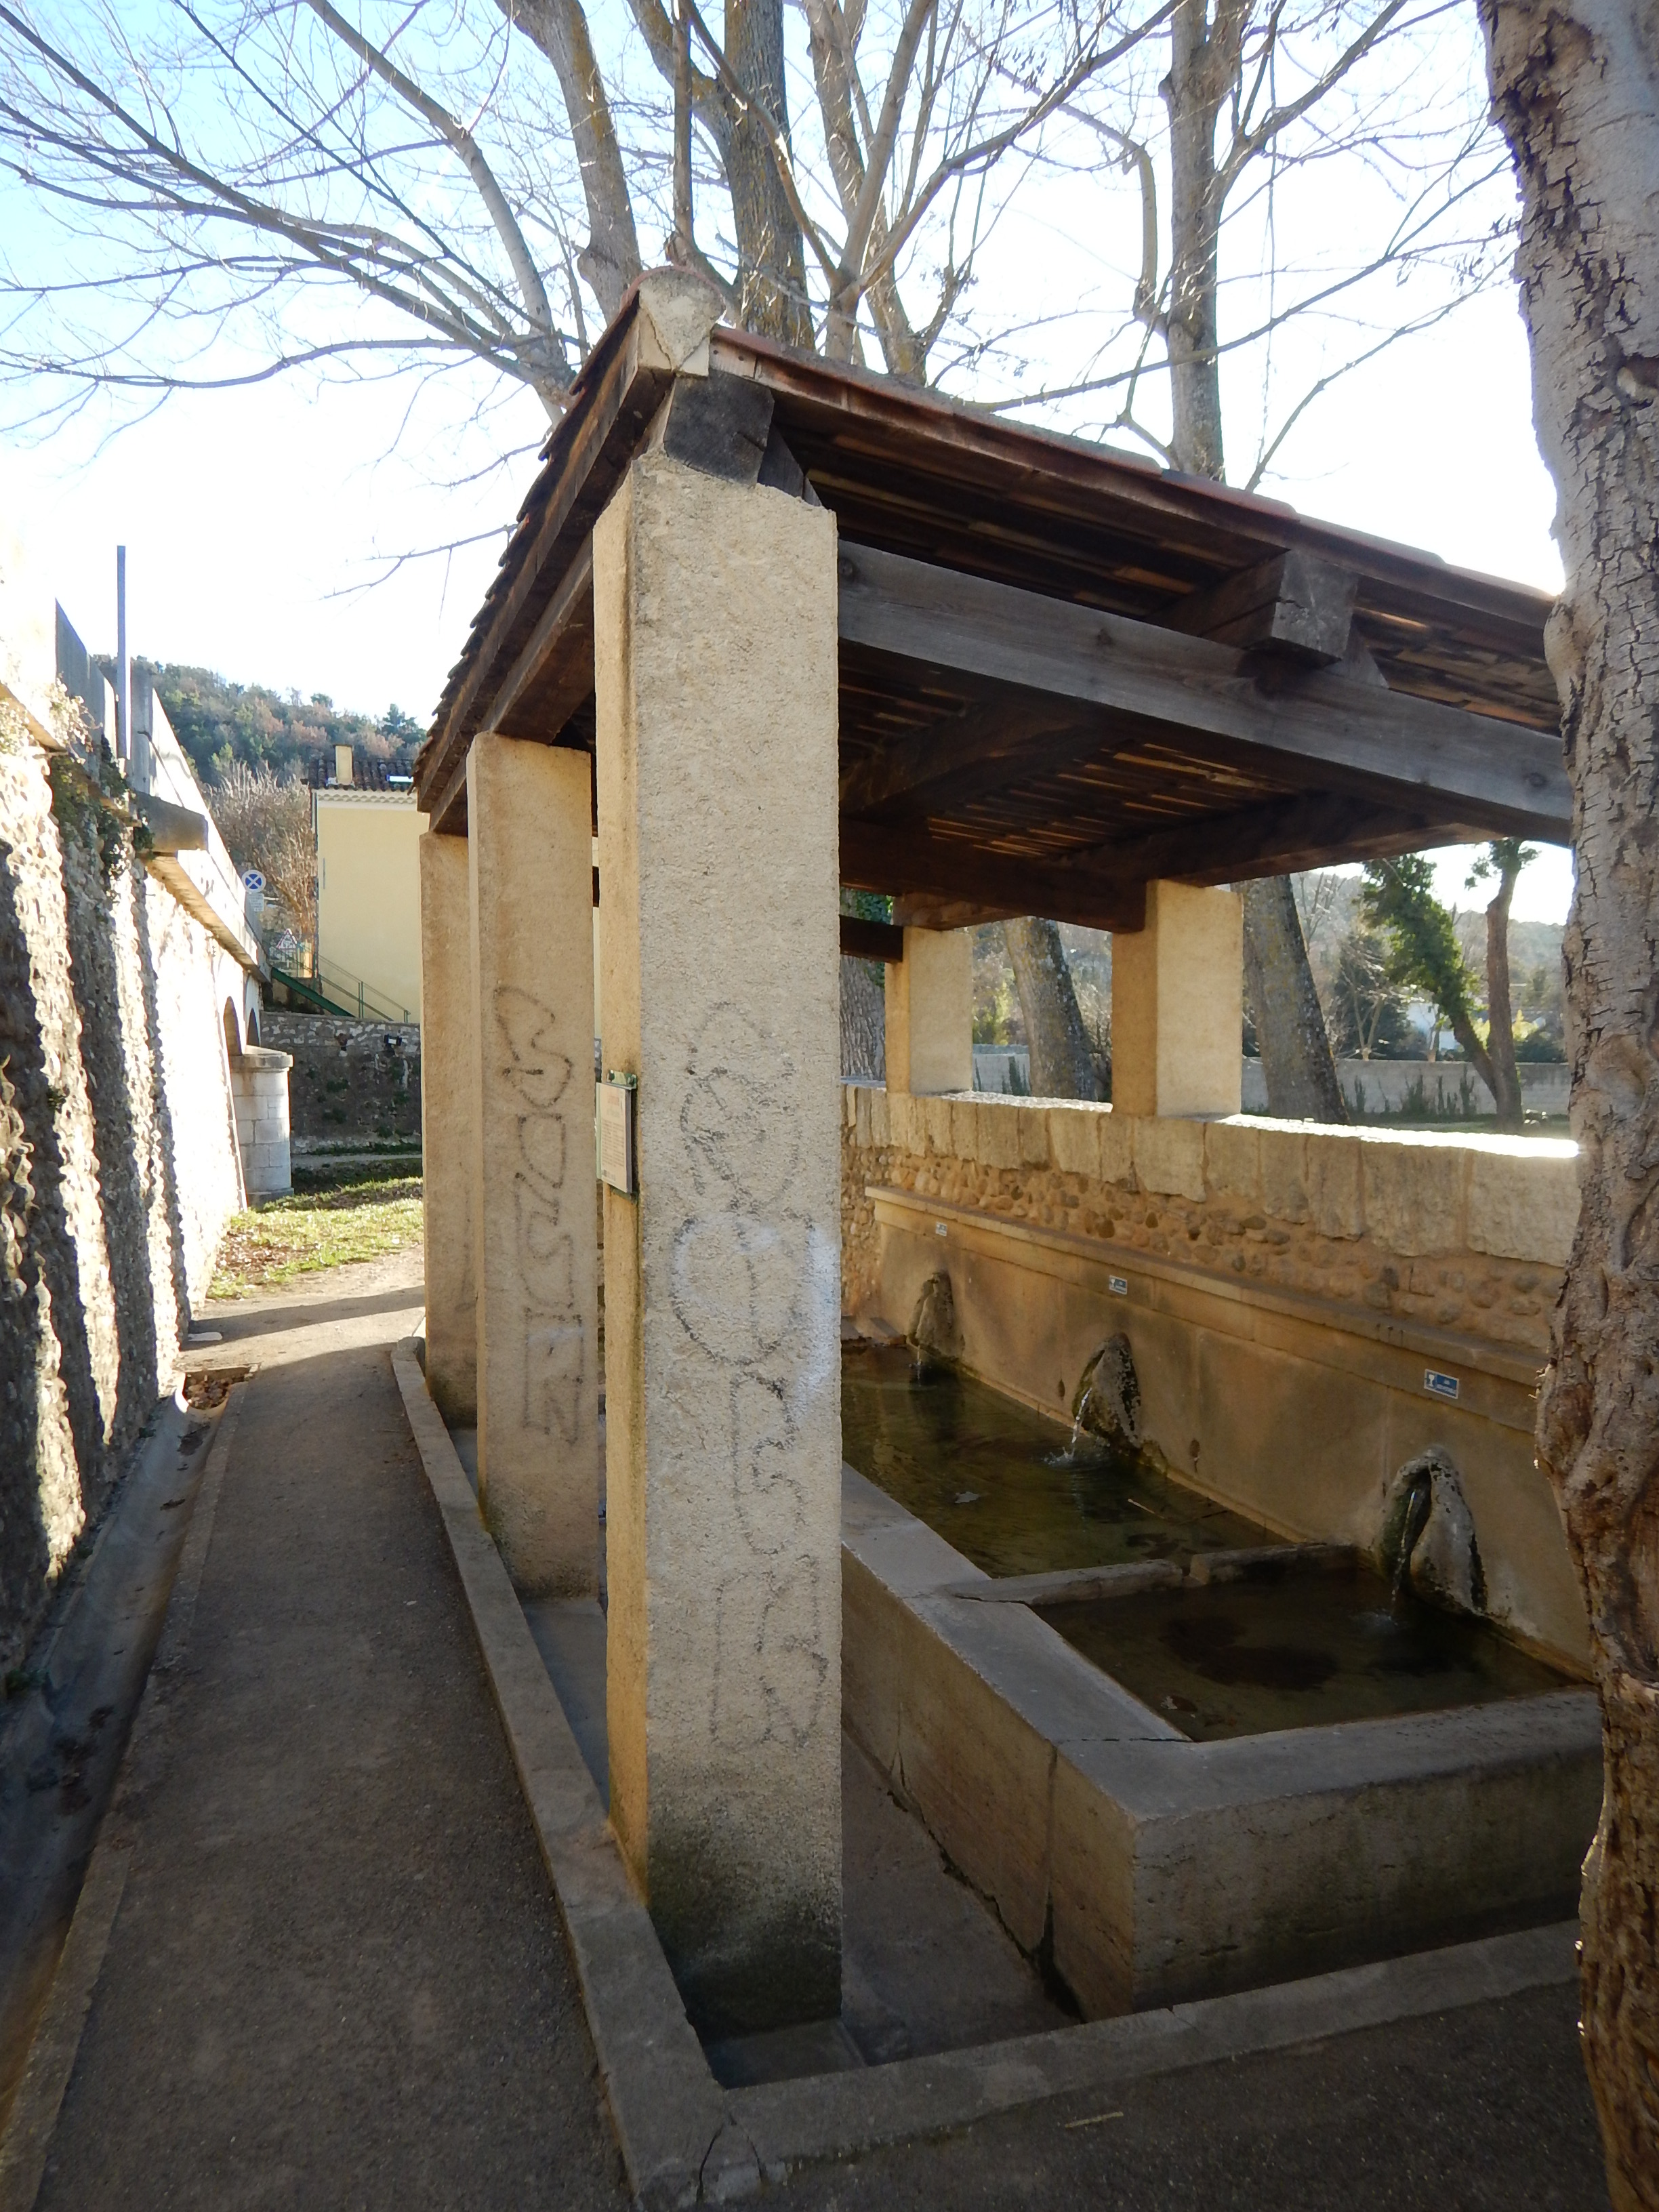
(1438, 1385)
(1118, 1285)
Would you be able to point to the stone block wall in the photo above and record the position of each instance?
(258, 1087)
(117, 1156)
(1466, 1233)
(347, 1080)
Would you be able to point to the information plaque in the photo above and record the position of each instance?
(617, 1095)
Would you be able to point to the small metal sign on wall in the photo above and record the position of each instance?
(618, 1096)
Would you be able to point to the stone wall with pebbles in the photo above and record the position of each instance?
(1467, 1233)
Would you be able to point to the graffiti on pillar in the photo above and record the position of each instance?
(753, 1285)
(544, 1251)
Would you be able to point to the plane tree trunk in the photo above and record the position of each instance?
(1576, 88)
(1206, 45)
(1290, 1028)
(1062, 1066)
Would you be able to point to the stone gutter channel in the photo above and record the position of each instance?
(684, 2139)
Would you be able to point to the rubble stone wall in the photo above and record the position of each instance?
(1466, 1233)
(348, 1081)
(117, 1156)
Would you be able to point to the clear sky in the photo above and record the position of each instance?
(260, 522)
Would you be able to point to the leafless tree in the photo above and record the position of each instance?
(453, 186)
(267, 826)
(1255, 92)
(1574, 86)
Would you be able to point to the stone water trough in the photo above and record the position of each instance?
(1281, 1671)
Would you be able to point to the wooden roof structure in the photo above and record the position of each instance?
(1064, 673)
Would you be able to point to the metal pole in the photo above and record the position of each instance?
(122, 677)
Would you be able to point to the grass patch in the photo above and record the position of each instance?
(322, 1227)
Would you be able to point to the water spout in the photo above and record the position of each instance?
(1419, 1506)
(1079, 1421)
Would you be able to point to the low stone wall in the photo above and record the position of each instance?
(347, 1081)
(1467, 1233)
(1307, 1309)
(118, 1155)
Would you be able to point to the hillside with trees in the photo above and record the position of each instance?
(220, 724)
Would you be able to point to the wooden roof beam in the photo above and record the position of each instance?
(930, 877)
(1296, 605)
(1329, 729)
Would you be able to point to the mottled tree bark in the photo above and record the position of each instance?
(1290, 1027)
(1205, 45)
(772, 255)
(1062, 1066)
(1576, 88)
(1203, 70)
(610, 260)
(863, 1023)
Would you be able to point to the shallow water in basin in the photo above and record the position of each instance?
(1300, 1651)
(1003, 1486)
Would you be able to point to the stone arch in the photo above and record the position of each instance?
(233, 1029)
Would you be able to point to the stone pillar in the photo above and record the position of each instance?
(1178, 1004)
(447, 1087)
(715, 670)
(531, 899)
(930, 1013)
(259, 1090)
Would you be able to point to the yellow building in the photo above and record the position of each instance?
(368, 900)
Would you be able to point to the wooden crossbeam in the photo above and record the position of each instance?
(1320, 725)
(1273, 839)
(954, 874)
(1294, 604)
(955, 763)
(871, 940)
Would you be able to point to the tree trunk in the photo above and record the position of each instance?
(610, 260)
(863, 1023)
(1500, 1016)
(1204, 66)
(1576, 88)
(772, 256)
(1192, 97)
(1290, 1028)
(1062, 1066)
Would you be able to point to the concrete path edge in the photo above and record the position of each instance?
(56, 2042)
(667, 2107)
(683, 2140)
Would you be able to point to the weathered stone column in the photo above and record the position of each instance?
(447, 1081)
(1178, 1004)
(531, 895)
(715, 667)
(259, 1090)
(930, 1013)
